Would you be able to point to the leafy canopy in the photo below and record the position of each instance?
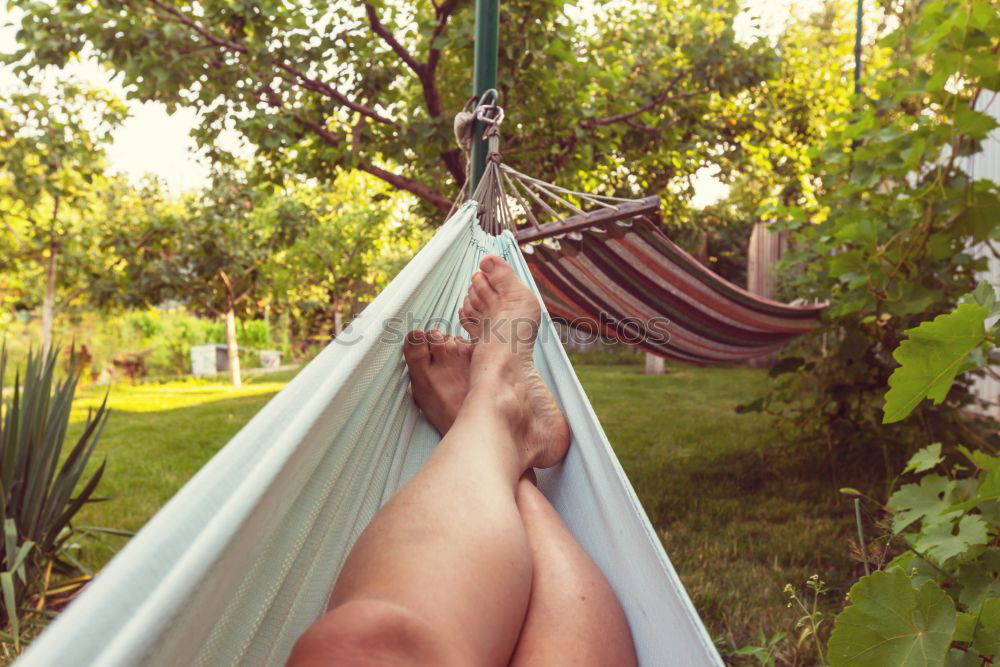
(626, 96)
(892, 237)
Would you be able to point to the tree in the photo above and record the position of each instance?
(50, 171)
(356, 235)
(613, 99)
(212, 252)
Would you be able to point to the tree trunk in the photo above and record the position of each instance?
(654, 364)
(338, 321)
(234, 353)
(49, 301)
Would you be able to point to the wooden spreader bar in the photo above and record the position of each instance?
(579, 222)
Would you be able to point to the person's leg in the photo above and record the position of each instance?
(442, 574)
(574, 617)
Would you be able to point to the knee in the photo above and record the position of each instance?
(366, 632)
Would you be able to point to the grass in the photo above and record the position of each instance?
(740, 511)
(157, 437)
(740, 518)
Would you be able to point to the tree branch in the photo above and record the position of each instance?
(204, 32)
(431, 94)
(326, 89)
(456, 165)
(662, 98)
(426, 72)
(382, 31)
(17, 237)
(307, 82)
(404, 183)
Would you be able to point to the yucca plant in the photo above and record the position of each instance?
(37, 481)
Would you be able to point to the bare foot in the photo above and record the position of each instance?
(439, 374)
(502, 315)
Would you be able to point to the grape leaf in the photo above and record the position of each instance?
(980, 580)
(961, 658)
(940, 542)
(930, 358)
(889, 624)
(985, 295)
(973, 123)
(965, 627)
(928, 500)
(987, 637)
(925, 459)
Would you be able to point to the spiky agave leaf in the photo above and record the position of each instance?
(37, 483)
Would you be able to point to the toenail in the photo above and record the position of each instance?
(415, 336)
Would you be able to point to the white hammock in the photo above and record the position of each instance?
(243, 558)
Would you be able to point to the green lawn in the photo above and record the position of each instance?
(738, 518)
(157, 437)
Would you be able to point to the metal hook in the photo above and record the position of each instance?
(483, 108)
(496, 97)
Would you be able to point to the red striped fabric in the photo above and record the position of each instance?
(641, 288)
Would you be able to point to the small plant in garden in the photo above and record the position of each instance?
(37, 484)
(766, 651)
(769, 651)
(809, 623)
(938, 601)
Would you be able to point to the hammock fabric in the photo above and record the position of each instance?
(625, 283)
(244, 557)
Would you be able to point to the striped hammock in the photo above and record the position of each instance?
(605, 268)
(638, 286)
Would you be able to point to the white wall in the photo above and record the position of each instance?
(986, 165)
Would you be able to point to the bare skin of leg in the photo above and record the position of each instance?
(439, 374)
(442, 575)
(574, 617)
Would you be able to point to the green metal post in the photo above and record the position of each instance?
(484, 77)
(857, 63)
(857, 48)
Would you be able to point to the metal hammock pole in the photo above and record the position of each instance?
(858, 26)
(484, 78)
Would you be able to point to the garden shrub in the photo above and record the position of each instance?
(893, 241)
(939, 598)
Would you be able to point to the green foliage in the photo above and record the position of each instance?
(937, 602)
(250, 334)
(944, 589)
(811, 620)
(323, 87)
(931, 357)
(889, 239)
(766, 651)
(355, 236)
(38, 480)
(889, 623)
(51, 171)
